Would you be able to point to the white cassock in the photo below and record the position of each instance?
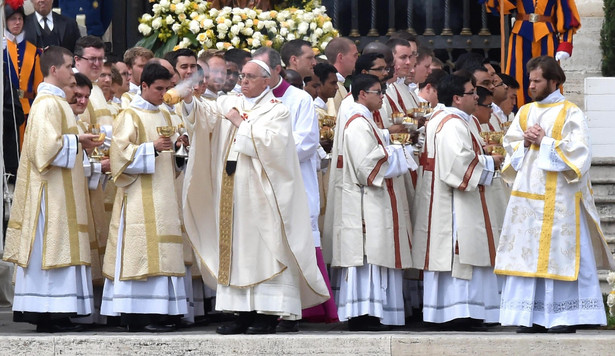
(307, 138)
(56, 290)
(551, 242)
(165, 295)
(370, 278)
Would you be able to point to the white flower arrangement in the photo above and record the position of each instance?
(193, 24)
(610, 301)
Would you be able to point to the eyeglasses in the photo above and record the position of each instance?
(488, 106)
(499, 85)
(243, 76)
(377, 92)
(381, 69)
(473, 92)
(93, 60)
(125, 74)
(414, 54)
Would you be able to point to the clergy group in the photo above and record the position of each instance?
(262, 190)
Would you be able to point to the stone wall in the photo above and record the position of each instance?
(586, 55)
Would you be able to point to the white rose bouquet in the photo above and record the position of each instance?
(194, 24)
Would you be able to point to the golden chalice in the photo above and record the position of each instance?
(496, 137)
(398, 118)
(401, 138)
(327, 133)
(166, 131)
(411, 123)
(327, 120)
(97, 154)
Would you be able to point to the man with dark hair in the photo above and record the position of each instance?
(342, 53)
(293, 78)
(119, 86)
(47, 28)
(561, 242)
(81, 94)
(312, 85)
(183, 60)
(260, 256)
(145, 283)
(50, 228)
(299, 56)
(399, 98)
(135, 58)
(104, 82)
(235, 60)
(508, 105)
(307, 137)
(452, 244)
(325, 74)
(428, 90)
(370, 215)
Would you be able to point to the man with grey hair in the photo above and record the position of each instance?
(307, 138)
(245, 209)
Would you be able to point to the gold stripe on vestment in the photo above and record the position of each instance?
(225, 243)
(546, 232)
(520, 194)
(171, 239)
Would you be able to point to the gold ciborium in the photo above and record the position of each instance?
(166, 131)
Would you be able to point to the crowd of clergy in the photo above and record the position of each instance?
(265, 188)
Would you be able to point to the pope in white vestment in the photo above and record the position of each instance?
(551, 242)
(245, 207)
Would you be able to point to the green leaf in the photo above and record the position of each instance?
(167, 46)
(148, 42)
(192, 37)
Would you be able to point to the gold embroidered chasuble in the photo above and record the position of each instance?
(152, 242)
(541, 233)
(448, 183)
(68, 221)
(370, 215)
(268, 228)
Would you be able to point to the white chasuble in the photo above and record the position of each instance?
(269, 231)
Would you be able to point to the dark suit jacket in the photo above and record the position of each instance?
(65, 32)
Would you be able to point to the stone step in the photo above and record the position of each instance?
(605, 205)
(607, 223)
(603, 189)
(602, 168)
(501, 341)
